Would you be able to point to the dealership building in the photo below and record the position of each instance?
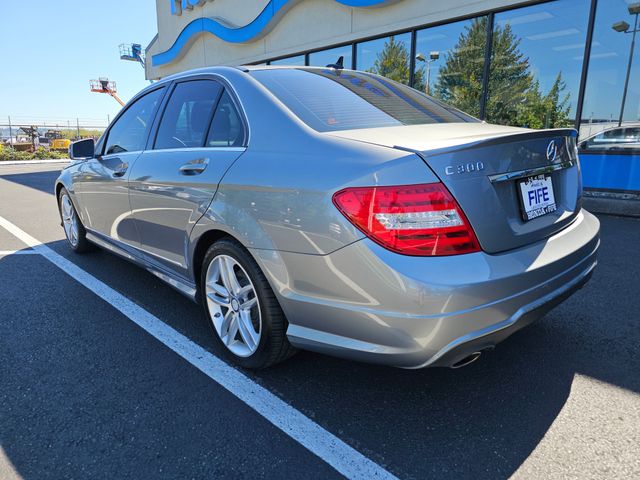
(539, 64)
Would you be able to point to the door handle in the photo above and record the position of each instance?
(194, 167)
(120, 170)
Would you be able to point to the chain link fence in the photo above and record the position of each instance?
(25, 138)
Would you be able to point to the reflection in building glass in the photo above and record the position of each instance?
(536, 64)
(390, 57)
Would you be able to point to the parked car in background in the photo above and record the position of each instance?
(611, 159)
(335, 211)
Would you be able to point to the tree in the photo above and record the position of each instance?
(460, 79)
(558, 105)
(545, 111)
(509, 79)
(393, 62)
(515, 97)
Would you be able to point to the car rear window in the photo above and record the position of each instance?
(330, 100)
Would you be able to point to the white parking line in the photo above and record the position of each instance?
(6, 253)
(296, 425)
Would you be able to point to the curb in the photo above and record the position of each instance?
(627, 206)
(33, 162)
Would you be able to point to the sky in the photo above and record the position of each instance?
(51, 49)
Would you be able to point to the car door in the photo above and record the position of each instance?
(102, 182)
(198, 137)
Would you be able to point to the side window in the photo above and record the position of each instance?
(227, 129)
(188, 114)
(625, 139)
(129, 133)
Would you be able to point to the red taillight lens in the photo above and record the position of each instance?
(420, 220)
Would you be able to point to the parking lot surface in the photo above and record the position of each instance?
(88, 390)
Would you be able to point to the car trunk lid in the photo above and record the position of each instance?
(482, 166)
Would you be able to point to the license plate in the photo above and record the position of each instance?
(536, 195)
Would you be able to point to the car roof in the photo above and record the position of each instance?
(220, 69)
(226, 69)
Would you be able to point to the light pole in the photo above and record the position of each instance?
(433, 56)
(623, 27)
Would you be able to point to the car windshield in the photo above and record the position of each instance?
(330, 100)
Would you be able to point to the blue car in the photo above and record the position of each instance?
(611, 159)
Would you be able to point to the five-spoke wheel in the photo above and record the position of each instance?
(69, 219)
(233, 306)
(73, 228)
(241, 307)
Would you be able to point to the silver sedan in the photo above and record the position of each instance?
(336, 211)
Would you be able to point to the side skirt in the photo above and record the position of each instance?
(185, 288)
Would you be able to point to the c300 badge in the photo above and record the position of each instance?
(464, 168)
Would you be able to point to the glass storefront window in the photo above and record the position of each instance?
(608, 70)
(536, 64)
(298, 60)
(388, 56)
(330, 56)
(450, 63)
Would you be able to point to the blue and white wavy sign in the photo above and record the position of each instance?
(270, 15)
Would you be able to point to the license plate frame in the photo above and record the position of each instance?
(536, 196)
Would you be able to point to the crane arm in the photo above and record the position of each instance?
(118, 99)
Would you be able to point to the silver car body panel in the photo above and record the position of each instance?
(373, 304)
(342, 293)
(167, 199)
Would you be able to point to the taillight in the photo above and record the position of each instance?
(420, 220)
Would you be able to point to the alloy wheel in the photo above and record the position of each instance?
(69, 220)
(233, 305)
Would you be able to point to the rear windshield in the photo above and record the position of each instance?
(329, 100)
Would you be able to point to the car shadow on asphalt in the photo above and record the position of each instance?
(86, 393)
(42, 181)
(483, 420)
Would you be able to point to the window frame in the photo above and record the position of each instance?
(240, 118)
(165, 105)
(227, 86)
(132, 102)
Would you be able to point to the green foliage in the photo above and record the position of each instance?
(510, 82)
(393, 62)
(84, 133)
(515, 97)
(460, 79)
(10, 154)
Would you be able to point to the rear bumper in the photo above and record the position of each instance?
(488, 337)
(365, 303)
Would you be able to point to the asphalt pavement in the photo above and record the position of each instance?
(85, 392)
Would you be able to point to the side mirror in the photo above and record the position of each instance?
(82, 149)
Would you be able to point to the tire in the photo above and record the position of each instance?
(251, 304)
(73, 229)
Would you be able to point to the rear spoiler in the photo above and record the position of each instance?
(498, 140)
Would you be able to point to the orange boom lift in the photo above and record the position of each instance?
(103, 85)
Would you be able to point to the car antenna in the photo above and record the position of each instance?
(339, 65)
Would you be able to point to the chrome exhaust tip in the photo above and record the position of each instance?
(468, 360)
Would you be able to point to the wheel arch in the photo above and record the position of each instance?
(59, 186)
(204, 241)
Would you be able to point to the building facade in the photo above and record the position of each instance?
(539, 64)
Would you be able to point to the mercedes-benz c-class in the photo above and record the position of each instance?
(336, 211)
